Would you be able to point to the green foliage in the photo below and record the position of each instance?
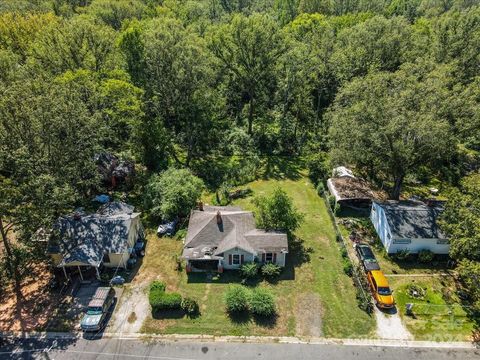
(249, 270)
(173, 193)
(377, 123)
(461, 220)
(277, 212)
(236, 299)
(469, 274)
(271, 271)
(190, 307)
(157, 286)
(318, 169)
(425, 256)
(403, 255)
(320, 189)
(347, 267)
(332, 202)
(262, 302)
(160, 300)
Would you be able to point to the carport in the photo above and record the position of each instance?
(83, 258)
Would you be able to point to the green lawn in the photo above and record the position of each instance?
(313, 291)
(438, 316)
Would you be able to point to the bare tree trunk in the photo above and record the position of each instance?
(397, 187)
(9, 259)
(250, 116)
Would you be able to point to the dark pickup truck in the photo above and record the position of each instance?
(367, 258)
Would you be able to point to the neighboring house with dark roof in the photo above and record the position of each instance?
(86, 241)
(225, 238)
(409, 225)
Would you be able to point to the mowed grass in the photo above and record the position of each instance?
(314, 271)
(439, 315)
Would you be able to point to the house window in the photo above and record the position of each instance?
(402, 241)
(106, 258)
(236, 259)
(269, 257)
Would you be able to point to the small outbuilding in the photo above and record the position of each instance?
(409, 225)
(348, 189)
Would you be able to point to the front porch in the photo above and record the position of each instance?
(204, 265)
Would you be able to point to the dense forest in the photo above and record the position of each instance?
(389, 87)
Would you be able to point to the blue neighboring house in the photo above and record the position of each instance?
(409, 225)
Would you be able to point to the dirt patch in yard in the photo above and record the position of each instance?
(308, 313)
(31, 306)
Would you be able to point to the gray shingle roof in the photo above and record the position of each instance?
(206, 238)
(413, 220)
(86, 238)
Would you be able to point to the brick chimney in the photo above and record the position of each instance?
(219, 217)
(200, 205)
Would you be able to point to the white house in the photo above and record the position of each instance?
(409, 225)
(225, 238)
(89, 241)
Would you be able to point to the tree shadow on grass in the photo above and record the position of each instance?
(168, 314)
(266, 321)
(298, 254)
(281, 167)
(240, 318)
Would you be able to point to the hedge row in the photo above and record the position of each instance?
(161, 300)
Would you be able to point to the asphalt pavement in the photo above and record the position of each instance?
(128, 349)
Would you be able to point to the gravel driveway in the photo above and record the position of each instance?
(390, 325)
(132, 310)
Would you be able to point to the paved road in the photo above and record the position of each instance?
(108, 349)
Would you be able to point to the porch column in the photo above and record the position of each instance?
(80, 271)
(98, 273)
(64, 272)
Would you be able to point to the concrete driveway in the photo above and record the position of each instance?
(132, 310)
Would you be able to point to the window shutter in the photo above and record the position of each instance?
(263, 257)
(274, 258)
(242, 258)
(230, 259)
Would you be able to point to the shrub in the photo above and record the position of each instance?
(157, 286)
(249, 270)
(236, 299)
(364, 301)
(344, 252)
(331, 202)
(403, 255)
(271, 270)
(262, 303)
(190, 306)
(347, 267)
(425, 256)
(167, 301)
(320, 188)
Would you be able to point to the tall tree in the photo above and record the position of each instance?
(46, 158)
(248, 48)
(388, 125)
